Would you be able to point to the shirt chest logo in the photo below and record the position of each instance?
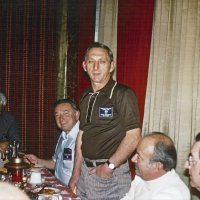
(67, 154)
(105, 112)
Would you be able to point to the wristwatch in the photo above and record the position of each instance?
(111, 165)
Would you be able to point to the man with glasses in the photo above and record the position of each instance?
(193, 163)
(156, 179)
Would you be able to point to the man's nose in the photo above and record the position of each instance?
(60, 117)
(187, 165)
(134, 158)
(96, 65)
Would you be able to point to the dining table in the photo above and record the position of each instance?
(48, 181)
(15, 170)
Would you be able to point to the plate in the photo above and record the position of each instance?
(47, 191)
(38, 166)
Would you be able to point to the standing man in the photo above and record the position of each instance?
(109, 131)
(66, 114)
(193, 163)
(156, 179)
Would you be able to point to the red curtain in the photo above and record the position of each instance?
(81, 23)
(133, 46)
(86, 36)
(28, 39)
(28, 50)
(135, 19)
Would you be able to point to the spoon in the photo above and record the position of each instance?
(42, 189)
(27, 158)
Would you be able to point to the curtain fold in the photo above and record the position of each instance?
(62, 50)
(173, 92)
(73, 24)
(108, 26)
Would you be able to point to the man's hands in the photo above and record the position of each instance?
(49, 164)
(33, 159)
(102, 171)
(73, 181)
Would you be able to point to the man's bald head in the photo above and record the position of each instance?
(162, 149)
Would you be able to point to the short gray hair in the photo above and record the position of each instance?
(3, 100)
(164, 151)
(99, 45)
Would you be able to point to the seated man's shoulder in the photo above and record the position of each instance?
(173, 193)
(174, 188)
(7, 115)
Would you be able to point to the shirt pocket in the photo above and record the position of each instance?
(67, 158)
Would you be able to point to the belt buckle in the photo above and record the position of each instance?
(99, 163)
(89, 164)
(93, 163)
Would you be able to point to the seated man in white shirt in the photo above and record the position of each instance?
(66, 114)
(156, 179)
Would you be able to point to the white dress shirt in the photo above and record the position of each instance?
(64, 154)
(166, 187)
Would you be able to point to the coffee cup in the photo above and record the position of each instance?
(35, 178)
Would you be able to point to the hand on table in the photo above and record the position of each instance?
(33, 159)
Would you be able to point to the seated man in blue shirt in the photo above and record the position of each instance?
(66, 114)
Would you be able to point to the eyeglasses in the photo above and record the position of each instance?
(191, 161)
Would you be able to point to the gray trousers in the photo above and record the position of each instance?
(92, 187)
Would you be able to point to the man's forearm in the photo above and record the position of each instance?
(50, 164)
(127, 147)
(78, 155)
(77, 162)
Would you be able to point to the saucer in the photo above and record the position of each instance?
(47, 191)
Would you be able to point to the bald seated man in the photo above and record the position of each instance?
(156, 179)
(10, 192)
(192, 164)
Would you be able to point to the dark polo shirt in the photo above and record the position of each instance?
(106, 115)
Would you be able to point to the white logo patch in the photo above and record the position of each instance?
(106, 112)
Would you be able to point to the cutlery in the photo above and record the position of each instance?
(26, 157)
(40, 191)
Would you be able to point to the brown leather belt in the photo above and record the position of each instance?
(93, 163)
